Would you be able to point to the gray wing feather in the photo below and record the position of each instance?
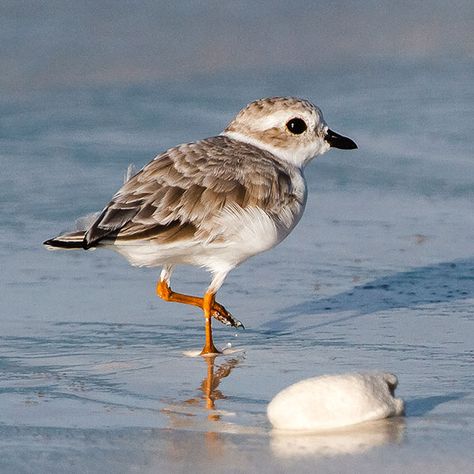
(178, 193)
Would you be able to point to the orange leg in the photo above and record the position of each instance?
(207, 304)
(218, 311)
(167, 294)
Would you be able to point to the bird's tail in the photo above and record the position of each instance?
(69, 240)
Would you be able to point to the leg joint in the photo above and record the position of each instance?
(164, 291)
(208, 303)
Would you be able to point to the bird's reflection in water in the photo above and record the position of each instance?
(209, 385)
(187, 413)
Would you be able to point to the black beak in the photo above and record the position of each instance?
(338, 141)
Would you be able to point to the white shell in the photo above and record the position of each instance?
(334, 401)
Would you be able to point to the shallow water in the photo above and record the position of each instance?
(378, 275)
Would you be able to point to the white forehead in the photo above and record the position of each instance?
(278, 119)
(275, 113)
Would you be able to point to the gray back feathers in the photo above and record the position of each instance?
(183, 190)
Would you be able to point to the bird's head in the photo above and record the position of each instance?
(292, 129)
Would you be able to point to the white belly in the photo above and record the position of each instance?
(235, 236)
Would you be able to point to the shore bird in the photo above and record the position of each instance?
(216, 202)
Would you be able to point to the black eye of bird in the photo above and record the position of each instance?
(296, 126)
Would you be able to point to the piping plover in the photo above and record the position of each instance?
(215, 202)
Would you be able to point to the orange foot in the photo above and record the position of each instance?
(225, 317)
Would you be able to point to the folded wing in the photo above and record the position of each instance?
(182, 191)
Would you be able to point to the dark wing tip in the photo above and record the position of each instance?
(63, 244)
